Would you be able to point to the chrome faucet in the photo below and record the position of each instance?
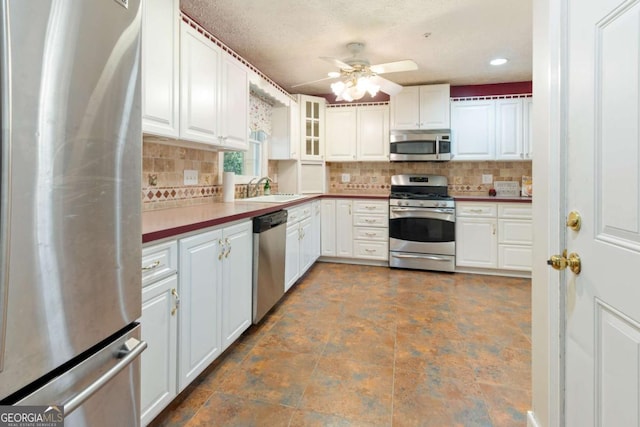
(256, 186)
(249, 187)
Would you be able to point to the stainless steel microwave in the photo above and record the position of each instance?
(420, 145)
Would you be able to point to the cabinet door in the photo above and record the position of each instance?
(328, 228)
(306, 245)
(158, 361)
(315, 229)
(473, 130)
(405, 109)
(292, 256)
(373, 133)
(312, 111)
(344, 228)
(476, 242)
(234, 105)
(340, 133)
(236, 281)
(199, 79)
(199, 314)
(515, 231)
(509, 129)
(528, 129)
(160, 67)
(515, 257)
(434, 107)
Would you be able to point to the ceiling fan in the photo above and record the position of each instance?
(359, 77)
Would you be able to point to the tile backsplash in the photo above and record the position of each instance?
(465, 178)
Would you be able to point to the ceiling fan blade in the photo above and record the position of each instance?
(394, 67)
(386, 86)
(337, 63)
(315, 81)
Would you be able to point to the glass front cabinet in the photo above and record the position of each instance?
(312, 126)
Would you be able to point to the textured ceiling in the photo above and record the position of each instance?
(284, 38)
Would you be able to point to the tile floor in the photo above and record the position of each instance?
(371, 346)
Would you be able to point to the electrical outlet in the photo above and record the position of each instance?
(346, 177)
(487, 179)
(190, 177)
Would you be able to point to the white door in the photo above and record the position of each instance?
(602, 371)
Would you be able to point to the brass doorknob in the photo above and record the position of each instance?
(560, 262)
(574, 221)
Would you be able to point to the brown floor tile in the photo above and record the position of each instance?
(183, 408)
(507, 407)
(271, 376)
(350, 389)
(226, 410)
(372, 346)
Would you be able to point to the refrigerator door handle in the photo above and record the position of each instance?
(127, 354)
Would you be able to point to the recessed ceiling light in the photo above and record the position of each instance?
(498, 61)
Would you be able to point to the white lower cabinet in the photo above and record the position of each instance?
(159, 323)
(494, 235)
(355, 228)
(215, 283)
(301, 243)
(237, 291)
(476, 242)
(158, 362)
(199, 314)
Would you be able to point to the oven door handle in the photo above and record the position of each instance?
(440, 214)
(429, 257)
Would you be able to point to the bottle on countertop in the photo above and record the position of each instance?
(267, 188)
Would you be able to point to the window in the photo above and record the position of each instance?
(248, 164)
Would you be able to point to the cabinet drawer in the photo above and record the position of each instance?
(515, 231)
(298, 213)
(512, 257)
(159, 261)
(371, 206)
(369, 233)
(369, 220)
(483, 210)
(370, 250)
(514, 210)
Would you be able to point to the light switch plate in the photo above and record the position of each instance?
(487, 178)
(190, 177)
(346, 177)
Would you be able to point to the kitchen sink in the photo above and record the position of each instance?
(274, 198)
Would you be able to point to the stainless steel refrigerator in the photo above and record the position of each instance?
(70, 231)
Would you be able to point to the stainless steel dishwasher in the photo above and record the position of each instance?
(269, 239)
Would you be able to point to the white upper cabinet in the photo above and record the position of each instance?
(373, 133)
(509, 129)
(421, 107)
(528, 129)
(285, 132)
(341, 133)
(357, 133)
(473, 130)
(160, 67)
(312, 127)
(492, 129)
(199, 93)
(234, 105)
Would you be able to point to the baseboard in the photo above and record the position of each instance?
(355, 261)
(531, 420)
(494, 272)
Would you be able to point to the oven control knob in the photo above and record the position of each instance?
(421, 203)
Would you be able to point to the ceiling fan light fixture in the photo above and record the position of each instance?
(333, 74)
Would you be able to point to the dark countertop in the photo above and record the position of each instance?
(163, 223)
(500, 199)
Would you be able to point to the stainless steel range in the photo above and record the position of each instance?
(422, 223)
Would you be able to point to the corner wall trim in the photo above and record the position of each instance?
(531, 420)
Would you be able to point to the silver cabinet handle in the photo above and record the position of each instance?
(152, 266)
(369, 220)
(370, 250)
(222, 249)
(476, 210)
(228, 244)
(127, 355)
(370, 207)
(175, 294)
(370, 234)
